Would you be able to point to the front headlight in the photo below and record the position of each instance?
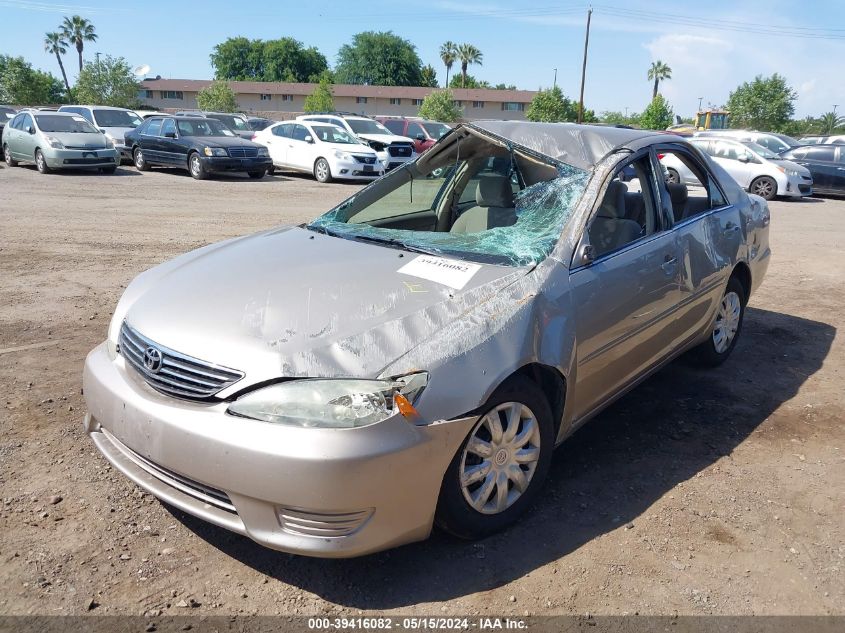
(262, 151)
(109, 141)
(342, 155)
(54, 142)
(214, 151)
(792, 172)
(332, 403)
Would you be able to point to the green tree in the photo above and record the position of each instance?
(77, 30)
(238, 59)
(551, 105)
(440, 106)
(218, 97)
(448, 55)
(459, 81)
(321, 100)
(618, 118)
(504, 87)
(22, 85)
(429, 76)
(287, 59)
(830, 122)
(108, 81)
(657, 72)
(379, 59)
(55, 44)
(767, 103)
(658, 114)
(468, 54)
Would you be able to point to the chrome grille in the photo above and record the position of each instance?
(321, 524)
(178, 375)
(243, 152)
(367, 160)
(398, 150)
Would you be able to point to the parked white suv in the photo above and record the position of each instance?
(392, 150)
(113, 122)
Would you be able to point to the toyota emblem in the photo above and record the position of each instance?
(152, 360)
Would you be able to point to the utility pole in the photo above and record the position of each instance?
(699, 103)
(554, 84)
(833, 122)
(584, 67)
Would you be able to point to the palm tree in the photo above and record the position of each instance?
(448, 53)
(77, 30)
(658, 72)
(55, 44)
(468, 54)
(830, 121)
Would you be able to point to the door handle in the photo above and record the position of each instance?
(668, 264)
(730, 227)
(268, 141)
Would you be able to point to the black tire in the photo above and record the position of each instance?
(765, 187)
(196, 168)
(673, 177)
(271, 170)
(256, 175)
(41, 162)
(138, 159)
(322, 171)
(454, 512)
(109, 170)
(708, 353)
(7, 156)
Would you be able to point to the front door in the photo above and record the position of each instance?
(173, 151)
(624, 298)
(150, 142)
(299, 151)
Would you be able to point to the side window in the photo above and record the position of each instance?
(17, 122)
(85, 112)
(169, 126)
(690, 187)
(300, 132)
(799, 152)
(282, 130)
(841, 157)
(153, 128)
(413, 130)
(724, 149)
(26, 123)
(394, 125)
(627, 211)
(821, 153)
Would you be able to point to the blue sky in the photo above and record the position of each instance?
(711, 46)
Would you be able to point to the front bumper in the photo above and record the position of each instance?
(354, 170)
(124, 151)
(797, 186)
(80, 159)
(225, 163)
(318, 492)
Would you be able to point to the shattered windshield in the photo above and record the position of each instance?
(471, 199)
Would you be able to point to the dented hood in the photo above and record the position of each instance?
(292, 302)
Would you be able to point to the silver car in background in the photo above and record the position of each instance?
(414, 355)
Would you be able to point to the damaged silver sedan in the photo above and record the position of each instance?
(413, 356)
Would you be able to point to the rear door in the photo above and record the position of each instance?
(821, 161)
(277, 143)
(727, 154)
(839, 175)
(12, 135)
(625, 298)
(27, 138)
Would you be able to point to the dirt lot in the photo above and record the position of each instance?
(700, 492)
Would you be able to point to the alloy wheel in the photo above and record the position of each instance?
(39, 161)
(139, 159)
(763, 188)
(321, 170)
(500, 458)
(727, 322)
(195, 165)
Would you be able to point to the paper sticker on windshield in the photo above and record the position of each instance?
(449, 272)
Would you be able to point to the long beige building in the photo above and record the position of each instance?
(270, 98)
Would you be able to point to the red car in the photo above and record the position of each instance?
(425, 133)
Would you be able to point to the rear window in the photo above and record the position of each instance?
(116, 118)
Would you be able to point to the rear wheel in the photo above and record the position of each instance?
(196, 167)
(765, 187)
(271, 170)
(497, 473)
(726, 329)
(41, 163)
(672, 176)
(7, 156)
(322, 171)
(139, 160)
(256, 174)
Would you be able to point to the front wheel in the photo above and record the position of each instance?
(765, 187)
(41, 163)
(322, 171)
(497, 473)
(139, 160)
(726, 329)
(271, 170)
(256, 174)
(7, 156)
(196, 167)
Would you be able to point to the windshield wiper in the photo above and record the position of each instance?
(390, 241)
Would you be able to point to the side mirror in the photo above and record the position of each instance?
(420, 136)
(170, 134)
(586, 255)
(30, 130)
(308, 139)
(743, 158)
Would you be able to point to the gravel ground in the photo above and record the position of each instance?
(700, 492)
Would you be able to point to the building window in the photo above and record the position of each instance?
(146, 94)
(460, 104)
(360, 99)
(417, 102)
(395, 101)
(287, 97)
(171, 94)
(266, 97)
(512, 106)
(477, 104)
